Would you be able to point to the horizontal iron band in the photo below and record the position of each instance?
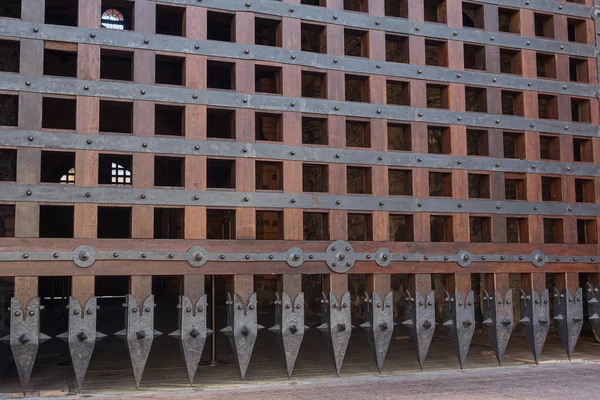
(230, 99)
(134, 40)
(397, 25)
(277, 200)
(216, 148)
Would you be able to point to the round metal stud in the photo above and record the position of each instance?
(197, 256)
(84, 256)
(340, 251)
(463, 258)
(28, 193)
(294, 257)
(538, 258)
(36, 30)
(55, 255)
(144, 255)
(383, 257)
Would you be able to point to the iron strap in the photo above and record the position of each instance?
(229, 99)
(277, 200)
(108, 37)
(268, 151)
(398, 25)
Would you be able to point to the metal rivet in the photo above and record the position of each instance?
(338, 202)
(459, 205)
(146, 41)
(377, 22)
(378, 111)
(497, 121)
(593, 259)
(28, 193)
(196, 197)
(368, 256)
(30, 138)
(142, 91)
(533, 166)
(380, 158)
(381, 203)
(574, 258)
(245, 100)
(405, 257)
(419, 159)
(291, 10)
(171, 255)
(419, 204)
(144, 255)
(92, 35)
(458, 75)
(426, 257)
(27, 83)
(337, 155)
(335, 17)
(455, 33)
(335, 60)
(246, 198)
(528, 43)
(557, 258)
(293, 57)
(562, 47)
(143, 196)
(247, 257)
(311, 256)
(569, 209)
(336, 108)
(197, 46)
(458, 118)
(55, 255)
(270, 256)
(494, 80)
(87, 194)
(86, 87)
(115, 255)
(378, 66)
(502, 257)
(535, 208)
(564, 86)
(568, 168)
(484, 258)
(497, 164)
(196, 147)
(245, 150)
(419, 71)
(498, 206)
(134, 309)
(532, 125)
(293, 104)
(31, 313)
(36, 30)
(76, 312)
(222, 256)
(293, 153)
(417, 28)
(521, 258)
(492, 38)
(420, 114)
(248, 4)
(293, 200)
(194, 96)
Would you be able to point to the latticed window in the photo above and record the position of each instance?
(119, 175)
(69, 177)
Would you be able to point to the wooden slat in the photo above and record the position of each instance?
(82, 288)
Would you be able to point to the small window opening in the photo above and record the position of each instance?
(267, 32)
(10, 8)
(396, 8)
(114, 169)
(479, 186)
(585, 191)
(58, 167)
(356, 43)
(437, 96)
(515, 187)
(544, 25)
(480, 229)
(116, 65)
(56, 221)
(117, 14)
(314, 84)
(401, 228)
(317, 3)
(586, 231)
(472, 15)
(436, 53)
(60, 63)
(509, 20)
(268, 79)
(547, 106)
(220, 123)
(7, 219)
(360, 227)
(435, 11)
(517, 230)
(268, 127)
(358, 180)
(169, 171)
(170, 70)
(59, 113)
(513, 145)
(398, 93)
(545, 65)
(114, 222)
(476, 99)
(576, 30)
(11, 53)
(315, 178)
(357, 88)
(169, 120)
(8, 165)
(9, 110)
(477, 143)
(168, 223)
(474, 56)
(61, 12)
(580, 110)
(553, 230)
(220, 174)
(578, 70)
(170, 20)
(438, 140)
(549, 147)
(440, 184)
(116, 116)
(313, 38)
(441, 228)
(314, 130)
(357, 5)
(220, 224)
(315, 226)
(396, 48)
(512, 103)
(551, 188)
(269, 175)
(399, 137)
(269, 225)
(510, 62)
(220, 26)
(583, 150)
(400, 182)
(220, 75)
(358, 134)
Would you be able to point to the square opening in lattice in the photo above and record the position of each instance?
(360, 227)
(269, 175)
(511, 61)
(396, 48)
(269, 225)
(9, 110)
(315, 225)
(553, 230)
(515, 187)
(169, 223)
(117, 14)
(517, 230)
(267, 79)
(220, 224)
(220, 174)
(11, 53)
(170, 20)
(313, 38)
(476, 99)
(268, 127)
(474, 56)
(7, 220)
(577, 30)
(169, 120)
(220, 26)
(116, 65)
(586, 231)
(358, 180)
(356, 88)
(169, 171)
(472, 15)
(267, 31)
(59, 113)
(440, 184)
(356, 43)
(315, 178)
(396, 8)
(357, 5)
(513, 145)
(220, 75)
(512, 102)
(585, 191)
(170, 70)
(60, 62)
(549, 147)
(441, 228)
(583, 150)
(477, 142)
(435, 11)
(545, 65)
(401, 228)
(358, 134)
(314, 130)
(439, 140)
(436, 53)
(56, 221)
(544, 25)
(551, 188)
(547, 106)
(114, 222)
(314, 84)
(400, 182)
(115, 169)
(397, 93)
(60, 12)
(318, 3)
(8, 165)
(480, 229)
(580, 110)
(58, 167)
(220, 123)
(437, 96)
(116, 116)
(479, 186)
(578, 70)
(509, 20)
(399, 137)
(10, 8)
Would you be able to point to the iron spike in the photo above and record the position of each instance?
(487, 322)
(593, 297)
(498, 325)
(525, 321)
(459, 314)
(379, 315)
(289, 325)
(408, 323)
(175, 334)
(569, 318)
(332, 316)
(418, 316)
(535, 309)
(366, 326)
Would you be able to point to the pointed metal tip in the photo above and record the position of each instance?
(323, 327)
(259, 327)
(341, 327)
(408, 323)
(43, 338)
(175, 334)
(227, 329)
(593, 317)
(63, 336)
(194, 333)
(593, 300)
(306, 327)
(293, 329)
(448, 324)
(275, 328)
(366, 326)
(140, 334)
(383, 326)
(209, 332)
(506, 321)
(122, 334)
(5, 339)
(245, 331)
(559, 317)
(100, 336)
(157, 333)
(487, 322)
(82, 336)
(525, 321)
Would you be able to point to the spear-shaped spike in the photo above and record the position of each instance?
(176, 334)
(593, 300)
(323, 327)
(275, 328)
(122, 334)
(558, 318)
(448, 324)
(488, 322)
(366, 326)
(525, 321)
(43, 338)
(594, 317)
(63, 336)
(100, 336)
(5, 339)
(408, 323)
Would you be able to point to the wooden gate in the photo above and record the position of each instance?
(221, 137)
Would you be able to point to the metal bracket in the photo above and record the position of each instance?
(340, 256)
(197, 256)
(25, 336)
(464, 258)
(538, 258)
(498, 320)
(459, 317)
(289, 326)
(294, 257)
(242, 328)
(336, 324)
(139, 332)
(383, 257)
(84, 256)
(82, 335)
(593, 300)
(420, 321)
(192, 332)
(535, 316)
(379, 324)
(568, 317)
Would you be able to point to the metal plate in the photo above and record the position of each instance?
(459, 318)
(420, 321)
(337, 327)
(84, 256)
(340, 256)
(289, 326)
(593, 306)
(498, 320)
(197, 256)
(568, 317)
(383, 257)
(379, 325)
(294, 257)
(538, 258)
(464, 258)
(535, 316)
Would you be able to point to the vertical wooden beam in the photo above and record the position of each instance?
(379, 283)
(535, 281)
(567, 280)
(193, 287)
(336, 284)
(290, 284)
(243, 285)
(460, 282)
(26, 288)
(140, 286)
(83, 288)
